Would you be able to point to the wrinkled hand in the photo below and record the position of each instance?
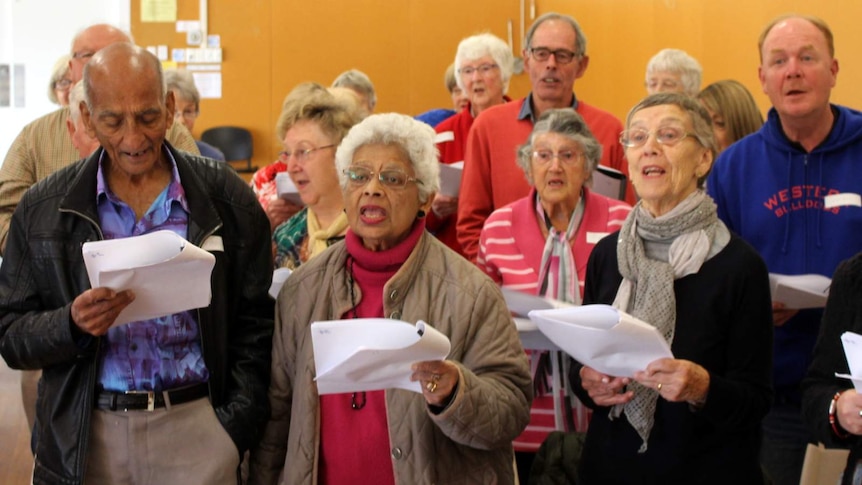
(95, 310)
(605, 390)
(438, 379)
(444, 206)
(681, 380)
(848, 413)
(280, 210)
(780, 315)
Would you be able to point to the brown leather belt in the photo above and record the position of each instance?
(149, 400)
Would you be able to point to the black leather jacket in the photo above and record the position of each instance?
(43, 271)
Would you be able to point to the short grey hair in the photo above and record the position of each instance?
(76, 95)
(678, 62)
(357, 81)
(415, 138)
(700, 119)
(568, 123)
(481, 45)
(182, 83)
(580, 39)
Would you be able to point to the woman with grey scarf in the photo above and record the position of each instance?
(693, 418)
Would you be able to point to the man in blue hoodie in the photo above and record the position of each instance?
(792, 191)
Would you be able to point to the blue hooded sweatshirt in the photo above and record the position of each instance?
(771, 192)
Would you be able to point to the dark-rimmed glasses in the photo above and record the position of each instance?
(563, 56)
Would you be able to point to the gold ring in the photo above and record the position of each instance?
(658, 387)
(431, 386)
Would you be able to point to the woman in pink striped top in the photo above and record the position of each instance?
(540, 244)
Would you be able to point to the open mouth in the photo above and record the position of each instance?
(372, 213)
(652, 172)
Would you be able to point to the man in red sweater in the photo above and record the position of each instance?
(554, 56)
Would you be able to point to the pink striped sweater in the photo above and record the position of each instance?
(510, 252)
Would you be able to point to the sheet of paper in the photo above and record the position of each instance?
(602, 337)
(521, 304)
(368, 354)
(279, 276)
(852, 343)
(450, 178)
(167, 273)
(286, 189)
(800, 291)
(609, 182)
(531, 337)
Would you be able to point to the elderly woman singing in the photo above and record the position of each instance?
(540, 244)
(694, 418)
(460, 429)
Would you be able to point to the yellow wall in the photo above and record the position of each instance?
(405, 45)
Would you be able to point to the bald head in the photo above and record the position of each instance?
(121, 64)
(91, 40)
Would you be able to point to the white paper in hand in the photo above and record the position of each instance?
(800, 291)
(450, 178)
(521, 304)
(167, 273)
(852, 343)
(369, 354)
(604, 338)
(286, 189)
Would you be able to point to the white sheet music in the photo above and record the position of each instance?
(604, 338)
(167, 273)
(368, 354)
(286, 189)
(800, 291)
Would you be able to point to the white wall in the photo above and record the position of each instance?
(35, 33)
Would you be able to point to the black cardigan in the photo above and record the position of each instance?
(723, 323)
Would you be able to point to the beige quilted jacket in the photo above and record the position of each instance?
(470, 441)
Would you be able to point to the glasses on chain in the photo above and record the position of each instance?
(484, 70)
(301, 156)
(544, 157)
(563, 56)
(667, 136)
(360, 176)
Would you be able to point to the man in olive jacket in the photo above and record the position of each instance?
(174, 399)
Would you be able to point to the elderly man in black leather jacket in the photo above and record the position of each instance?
(51, 319)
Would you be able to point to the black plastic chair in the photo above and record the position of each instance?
(234, 142)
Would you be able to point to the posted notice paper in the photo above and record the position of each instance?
(604, 338)
(167, 273)
(369, 354)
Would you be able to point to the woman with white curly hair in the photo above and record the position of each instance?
(473, 403)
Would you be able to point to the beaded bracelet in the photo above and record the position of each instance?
(833, 420)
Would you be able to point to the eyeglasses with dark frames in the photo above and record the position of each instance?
(563, 56)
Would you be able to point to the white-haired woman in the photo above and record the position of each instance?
(483, 68)
(673, 71)
(696, 417)
(540, 244)
(459, 430)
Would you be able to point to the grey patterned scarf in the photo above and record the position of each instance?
(647, 289)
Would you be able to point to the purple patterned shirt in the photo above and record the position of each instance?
(162, 353)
